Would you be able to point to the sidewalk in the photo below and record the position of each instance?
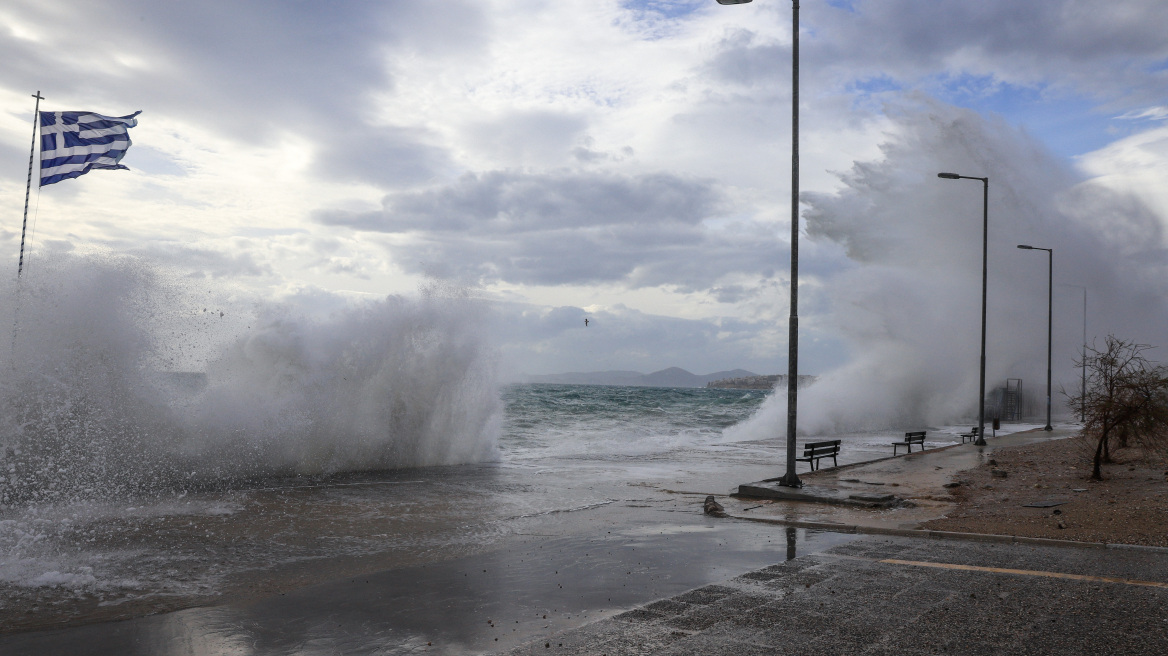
(893, 492)
(902, 596)
(894, 589)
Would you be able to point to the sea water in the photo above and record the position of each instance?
(164, 443)
(560, 449)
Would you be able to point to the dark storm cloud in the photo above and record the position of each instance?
(566, 227)
(510, 202)
(251, 70)
(386, 157)
(1112, 49)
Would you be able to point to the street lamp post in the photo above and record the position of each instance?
(985, 249)
(791, 479)
(1049, 315)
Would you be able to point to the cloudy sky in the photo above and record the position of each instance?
(623, 160)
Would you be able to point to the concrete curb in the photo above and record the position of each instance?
(950, 535)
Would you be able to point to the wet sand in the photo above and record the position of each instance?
(1045, 491)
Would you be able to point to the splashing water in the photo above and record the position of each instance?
(120, 382)
(910, 305)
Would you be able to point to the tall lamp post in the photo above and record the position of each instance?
(790, 479)
(985, 249)
(1049, 315)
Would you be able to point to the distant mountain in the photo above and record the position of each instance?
(671, 377)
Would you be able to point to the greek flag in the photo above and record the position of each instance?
(73, 143)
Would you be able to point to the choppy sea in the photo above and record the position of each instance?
(577, 465)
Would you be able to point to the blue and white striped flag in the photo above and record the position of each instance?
(73, 143)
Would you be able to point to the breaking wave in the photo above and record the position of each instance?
(909, 307)
(121, 381)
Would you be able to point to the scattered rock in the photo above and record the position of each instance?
(1058, 511)
(714, 508)
(998, 473)
(992, 462)
(955, 484)
(1061, 524)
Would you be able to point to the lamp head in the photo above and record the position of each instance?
(1025, 247)
(733, 2)
(949, 176)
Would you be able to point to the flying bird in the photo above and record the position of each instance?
(585, 323)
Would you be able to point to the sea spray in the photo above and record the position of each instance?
(910, 305)
(91, 406)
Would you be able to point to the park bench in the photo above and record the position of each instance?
(971, 435)
(910, 438)
(814, 451)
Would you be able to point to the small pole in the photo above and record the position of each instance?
(36, 115)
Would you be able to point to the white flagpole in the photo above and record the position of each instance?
(36, 115)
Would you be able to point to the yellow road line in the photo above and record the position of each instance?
(1025, 572)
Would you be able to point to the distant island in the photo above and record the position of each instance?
(671, 377)
(758, 382)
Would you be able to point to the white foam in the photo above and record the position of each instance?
(910, 307)
(89, 410)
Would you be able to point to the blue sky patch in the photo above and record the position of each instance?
(667, 8)
(846, 5)
(1068, 124)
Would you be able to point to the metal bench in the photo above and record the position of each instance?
(814, 451)
(910, 438)
(971, 435)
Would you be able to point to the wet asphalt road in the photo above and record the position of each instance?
(905, 596)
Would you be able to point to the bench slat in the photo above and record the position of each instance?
(813, 452)
(910, 438)
(820, 450)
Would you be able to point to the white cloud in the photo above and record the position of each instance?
(556, 152)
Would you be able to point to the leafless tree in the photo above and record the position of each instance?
(1125, 400)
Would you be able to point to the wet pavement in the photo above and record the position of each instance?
(909, 488)
(905, 597)
(574, 570)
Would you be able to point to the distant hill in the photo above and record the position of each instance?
(671, 377)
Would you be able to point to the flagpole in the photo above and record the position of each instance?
(36, 114)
